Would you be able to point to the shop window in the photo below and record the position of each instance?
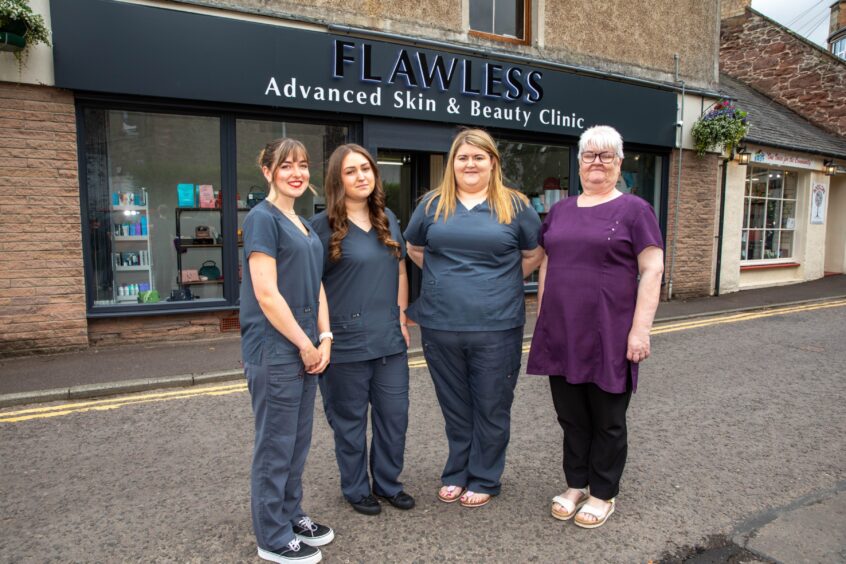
(141, 168)
(156, 208)
(769, 215)
(641, 175)
(503, 20)
(542, 172)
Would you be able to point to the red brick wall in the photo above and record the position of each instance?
(697, 227)
(792, 71)
(158, 329)
(42, 290)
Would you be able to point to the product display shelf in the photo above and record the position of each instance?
(185, 245)
(131, 256)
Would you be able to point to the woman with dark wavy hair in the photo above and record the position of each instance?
(367, 289)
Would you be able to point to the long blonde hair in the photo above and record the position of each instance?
(505, 202)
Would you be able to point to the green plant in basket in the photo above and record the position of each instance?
(722, 127)
(21, 28)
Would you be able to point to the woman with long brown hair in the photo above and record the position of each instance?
(285, 344)
(475, 239)
(367, 289)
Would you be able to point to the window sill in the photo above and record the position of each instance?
(770, 266)
(495, 37)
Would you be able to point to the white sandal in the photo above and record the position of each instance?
(569, 505)
(600, 514)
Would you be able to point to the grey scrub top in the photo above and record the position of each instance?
(472, 267)
(299, 266)
(361, 290)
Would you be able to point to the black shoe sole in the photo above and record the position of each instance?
(391, 501)
(367, 509)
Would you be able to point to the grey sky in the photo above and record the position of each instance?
(808, 18)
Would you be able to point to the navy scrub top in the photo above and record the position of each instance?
(299, 266)
(361, 290)
(472, 267)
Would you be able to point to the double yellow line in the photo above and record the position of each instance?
(115, 403)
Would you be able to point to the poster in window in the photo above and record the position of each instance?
(818, 204)
(206, 194)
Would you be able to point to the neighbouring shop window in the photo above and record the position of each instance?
(769, 214)
(141, 167)
(252, 135)
(500, 19)
(641, 175)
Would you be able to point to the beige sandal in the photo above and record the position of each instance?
(468, 495)
(600, 514)
(570, 507)
(452, 493)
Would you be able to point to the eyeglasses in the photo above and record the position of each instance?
(605, 158)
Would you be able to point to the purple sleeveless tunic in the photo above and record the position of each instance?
(591, 289)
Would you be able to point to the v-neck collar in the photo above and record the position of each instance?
(354, 224)
(308, 229)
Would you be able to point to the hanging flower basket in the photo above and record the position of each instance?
(11, 41)
(720, 128)
(21, 28)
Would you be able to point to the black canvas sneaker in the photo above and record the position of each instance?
(294, 552)
(312, 533)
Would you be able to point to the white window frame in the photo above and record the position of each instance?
(745, 228)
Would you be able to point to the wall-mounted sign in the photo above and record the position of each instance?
(762, 156)
(126, 48)
(818, 204)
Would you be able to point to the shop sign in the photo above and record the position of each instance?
(126, 48)
(781, 159)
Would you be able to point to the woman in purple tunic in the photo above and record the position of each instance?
(598, 292)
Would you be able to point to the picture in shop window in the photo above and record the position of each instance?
(769, 214)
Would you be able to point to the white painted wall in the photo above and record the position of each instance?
(38, 65)
(732, 227)
(835, 237)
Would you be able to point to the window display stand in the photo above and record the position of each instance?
(131, 256)
(185, 245)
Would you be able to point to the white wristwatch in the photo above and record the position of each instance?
(326, 335)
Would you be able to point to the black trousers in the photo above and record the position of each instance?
(595, 440)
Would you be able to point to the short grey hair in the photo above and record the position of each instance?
(603, 137)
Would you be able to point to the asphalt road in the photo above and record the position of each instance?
(732, 421)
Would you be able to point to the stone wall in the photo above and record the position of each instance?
(692, 271)
(42, 288)
(785, 67)
(636, 38)
(161, 328)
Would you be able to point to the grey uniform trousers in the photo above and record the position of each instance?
(475, 373)
(348, 389)
(283, 405)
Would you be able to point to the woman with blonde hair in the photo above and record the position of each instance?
(476, 240)
(367, 288)
(285, 344)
